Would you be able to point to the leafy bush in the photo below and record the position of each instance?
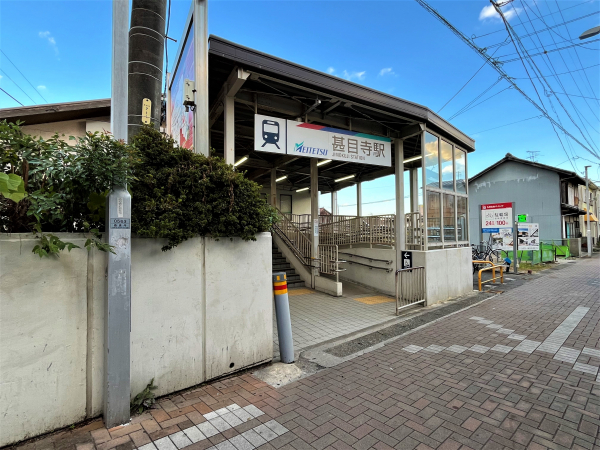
(63, 187)
(178, 194)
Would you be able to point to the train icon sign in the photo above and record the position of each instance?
(270, 134)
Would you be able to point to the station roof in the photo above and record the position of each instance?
(284, 89)
(57, 112)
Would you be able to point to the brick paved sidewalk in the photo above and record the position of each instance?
(517, 371)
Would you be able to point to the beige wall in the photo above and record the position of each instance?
(300, 200)
(68, 128)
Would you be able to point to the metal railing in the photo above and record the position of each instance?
(329, 260)
(345, 230)
(296, 240)
(410, 287)
(415, 238)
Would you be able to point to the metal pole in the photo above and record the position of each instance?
(400, 237)
(588, 230)
(229, 116)
(359, 199)
(146, 50)
(515, 239)
(284, 322)
(274, 188)
(334, 203)
(314, 214)
(201, 128)
(117, 323)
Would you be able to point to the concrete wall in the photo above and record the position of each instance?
(381, 280)
(575, 246)
(449, 272)
(195, 310)
(536, 192)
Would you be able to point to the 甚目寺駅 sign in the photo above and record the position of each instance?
(275, 135)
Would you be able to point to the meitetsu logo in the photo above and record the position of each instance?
(301, 148)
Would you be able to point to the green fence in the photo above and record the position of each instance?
(548, 252)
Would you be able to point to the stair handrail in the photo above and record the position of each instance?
(296, 240)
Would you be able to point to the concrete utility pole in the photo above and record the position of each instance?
(146, 49)
(589, 213)
(117, 356)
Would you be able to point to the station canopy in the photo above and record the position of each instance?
(276, 87)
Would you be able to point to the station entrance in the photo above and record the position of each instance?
(299, 132)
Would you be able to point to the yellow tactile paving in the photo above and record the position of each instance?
(300, 291)
(375, 300)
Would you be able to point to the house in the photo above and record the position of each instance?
(593, 209)
(548, 195)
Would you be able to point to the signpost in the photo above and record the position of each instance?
(276, 135)
(407, 261)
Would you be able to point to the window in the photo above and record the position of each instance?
(285, 203)
(460, 166)
(461, 215)
(449, 225)
(434, 217)
(432, 165)
(447, 170)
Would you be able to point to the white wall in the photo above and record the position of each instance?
(300, 200)
(381, 280)
(195, 309)
(448, 272)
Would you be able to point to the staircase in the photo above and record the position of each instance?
(280, 264)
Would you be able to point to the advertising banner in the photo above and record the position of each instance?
(529, 236)
(275, 135)
(182, 121)
(495, 216)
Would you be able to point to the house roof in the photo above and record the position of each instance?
(57, 112)
(563, 174)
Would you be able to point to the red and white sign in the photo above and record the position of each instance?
(495, 216)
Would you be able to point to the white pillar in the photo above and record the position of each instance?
(274, 187)
(334, 203)
(414, 190)
(229, 146)
(399, 184)
(314, 211)
(201, 128)
(359, 199)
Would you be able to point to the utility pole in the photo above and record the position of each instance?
(117, 355)
(588, 231)
(146, 50)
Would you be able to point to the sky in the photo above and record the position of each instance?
(57, 51)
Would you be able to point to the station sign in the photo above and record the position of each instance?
(276, 135)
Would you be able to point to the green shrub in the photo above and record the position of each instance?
(178, 194)
(63, 187)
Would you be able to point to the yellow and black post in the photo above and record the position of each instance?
(282, 312)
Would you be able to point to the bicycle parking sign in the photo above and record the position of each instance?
(495, 216)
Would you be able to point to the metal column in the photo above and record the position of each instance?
(588, 230)
(117, 324)
(414, 190)
(334, 203)
(359, 199)
(400, 234)
(201, 128)
(229, 112)
(314, 211)
(274, 187)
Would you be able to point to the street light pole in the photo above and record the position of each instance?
(589, 213)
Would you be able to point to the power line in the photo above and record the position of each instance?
(548, 51)
(465, 85)
(12, 97)
(15, 83)
(507, 124)
(562, 73)
(496, 65)
(550, 66)
(39, 93)
(499, 31)
(479, 103)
